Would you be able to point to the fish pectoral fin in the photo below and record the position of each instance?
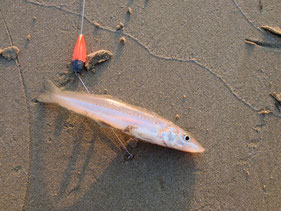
(103, 124)
(129, 129)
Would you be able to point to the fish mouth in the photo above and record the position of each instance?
(193, 147)
(199, 149)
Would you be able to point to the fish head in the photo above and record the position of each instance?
(176, 138)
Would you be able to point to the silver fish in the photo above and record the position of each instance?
(132, 120)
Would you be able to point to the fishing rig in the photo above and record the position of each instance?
(79, 54)
(78, 61)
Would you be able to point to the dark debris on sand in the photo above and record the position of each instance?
(277, 98)
(273, 30)
(10, 52)
(97, 57)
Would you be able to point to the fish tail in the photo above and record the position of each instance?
(48, 96)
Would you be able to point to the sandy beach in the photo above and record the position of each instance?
(185, 60)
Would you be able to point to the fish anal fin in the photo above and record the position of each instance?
(133, 142)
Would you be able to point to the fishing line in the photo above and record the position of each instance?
(79, 53)
(77, 74)
(82, 15)
(78, 61)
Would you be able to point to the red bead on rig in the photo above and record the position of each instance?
(79, 54)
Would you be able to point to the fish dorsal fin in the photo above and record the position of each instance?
(107, 96)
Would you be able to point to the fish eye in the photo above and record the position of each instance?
(186, 138)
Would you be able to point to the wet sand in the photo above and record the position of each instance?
(180, 58)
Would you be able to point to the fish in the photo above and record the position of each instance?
(133, 120)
